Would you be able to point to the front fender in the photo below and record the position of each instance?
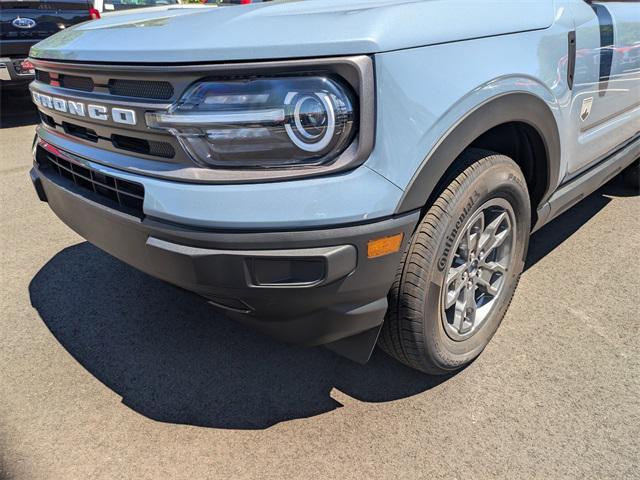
(434, 101)
(508, 107)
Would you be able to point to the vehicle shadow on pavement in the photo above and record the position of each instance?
(16, 108)
(174, 358)
(553, 234)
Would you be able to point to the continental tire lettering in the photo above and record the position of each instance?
(517, 179)
(451, 238)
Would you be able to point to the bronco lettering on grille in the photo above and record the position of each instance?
(96, 112)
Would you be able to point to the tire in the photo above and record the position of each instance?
(632, 176)
(419, 330)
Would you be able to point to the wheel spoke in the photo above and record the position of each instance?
(454, 284)
(458, 314)
(473, 235)
(465, 310)
(468, 310)
(464, 301)
(453, 296)
(455, 273)
(486, 286)
(491, 238)
(494, 267)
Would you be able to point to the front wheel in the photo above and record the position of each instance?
(461, 268)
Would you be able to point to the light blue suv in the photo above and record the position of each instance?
(337, 172)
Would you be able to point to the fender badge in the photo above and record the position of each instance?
(586, 108)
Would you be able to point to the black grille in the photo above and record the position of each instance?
(48, 119)
(43, 76)
(141, 89)
(115, 192)
(140, 145)
(122, 142)
(161, 149)
(72, 82)
(80, 132)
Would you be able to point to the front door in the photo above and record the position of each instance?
(605, 106)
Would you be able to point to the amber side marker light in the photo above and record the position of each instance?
(380, 247)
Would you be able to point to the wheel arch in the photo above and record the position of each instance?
(509, 109)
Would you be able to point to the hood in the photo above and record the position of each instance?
(294, 29)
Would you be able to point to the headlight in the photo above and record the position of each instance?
(263, 122)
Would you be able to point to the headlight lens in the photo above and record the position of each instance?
(263, 122)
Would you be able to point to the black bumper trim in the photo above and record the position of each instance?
(349, 298)
(37, 184)
(202, 265)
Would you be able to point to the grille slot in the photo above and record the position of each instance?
(141, 89)
(73, 82)
(48, 119)
(140, 145)
(80, 132)
(121, 142)
(161, 149)
(43, 76)
(115, 192)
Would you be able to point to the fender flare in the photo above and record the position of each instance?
(509, 107)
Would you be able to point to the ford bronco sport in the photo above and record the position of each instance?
(338, 172)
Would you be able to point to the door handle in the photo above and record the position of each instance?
(571, 62)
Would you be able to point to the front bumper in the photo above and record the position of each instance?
(308, 287)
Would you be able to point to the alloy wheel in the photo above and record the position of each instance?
(478, 264)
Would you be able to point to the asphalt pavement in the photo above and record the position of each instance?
(107, 373)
